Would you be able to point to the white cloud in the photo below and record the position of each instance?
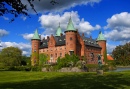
(3, 32)
(5, 18)
(120, 27)
(110, 48)
(27, 36)
(25, 47)
(45, 6)
(23, 18)
(50, 23)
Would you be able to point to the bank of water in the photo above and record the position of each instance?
(119, 69)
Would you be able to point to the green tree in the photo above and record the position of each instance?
(11, 56)
(121, 54)
(67, 61)
(43, 58)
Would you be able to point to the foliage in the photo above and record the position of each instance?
(35, 59)
(67, 61)
(56, 80)
(16, 7)
(121, 54)
(36, 68)
(43, 58)
(11, 56)
(105, 56)
(25, 61)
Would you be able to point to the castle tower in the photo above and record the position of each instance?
(58, 32)
(35, 48)
(70, 35)
(102, 43)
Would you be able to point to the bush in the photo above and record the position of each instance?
(17, 68)
(36, 68)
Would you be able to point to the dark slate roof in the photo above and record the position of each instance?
(90, 42)
(44, 44)
(60, 40)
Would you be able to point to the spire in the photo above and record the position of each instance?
(58, 32)
(36, 35)
(70, 26)
(101, 37)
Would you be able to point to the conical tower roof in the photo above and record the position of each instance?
(101, 37)
(58, 32)
(36, 35)
(70, 26)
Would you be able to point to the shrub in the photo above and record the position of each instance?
(36, 68)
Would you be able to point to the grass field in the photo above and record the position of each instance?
(56, 80)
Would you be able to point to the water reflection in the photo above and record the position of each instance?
(119, 69)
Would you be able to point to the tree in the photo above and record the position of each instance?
(11, 56)
(16, 7)
(43, 58)
(121, 54)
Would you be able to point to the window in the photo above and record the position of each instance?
(34, 50)
(51, 55)
(56, 54)
(60, 54)
(70, 38)
(71, 52)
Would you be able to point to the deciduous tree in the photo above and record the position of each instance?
(11, 56)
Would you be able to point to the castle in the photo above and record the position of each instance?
(72, 42)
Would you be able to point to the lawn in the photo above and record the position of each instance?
(56, 80)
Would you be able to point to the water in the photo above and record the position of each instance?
(119, 69)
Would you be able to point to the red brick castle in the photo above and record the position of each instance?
(72, 42)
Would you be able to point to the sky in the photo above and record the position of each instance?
(112, 17)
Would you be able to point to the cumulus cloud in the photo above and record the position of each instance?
(119, 25)
(50, 23)
(45, 6)
(25, 47)
(3, 32)
(27, 36)
(110, 48)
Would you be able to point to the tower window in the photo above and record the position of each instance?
(70, 38)
(34, 50)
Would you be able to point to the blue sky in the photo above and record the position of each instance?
(112, 17)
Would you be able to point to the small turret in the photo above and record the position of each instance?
(59, 31)
(35, 48)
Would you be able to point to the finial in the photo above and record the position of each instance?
(70, 16)
(59, 24)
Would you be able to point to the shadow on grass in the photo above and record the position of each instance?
(76, 81)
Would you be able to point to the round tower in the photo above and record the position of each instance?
(35, 49)
(102, 43)
(70, 36)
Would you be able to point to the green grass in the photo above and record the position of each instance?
(56, 80)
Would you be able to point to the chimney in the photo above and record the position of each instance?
(90, 37)
(61, 34)
(82, 34)
(47, 37)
